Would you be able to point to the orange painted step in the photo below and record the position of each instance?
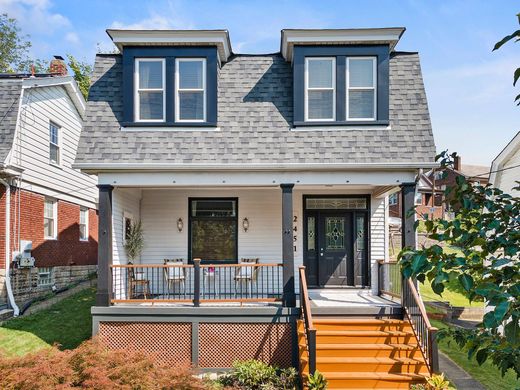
(371, 364)
(371, 380)
(361, 324)
(365, 337)
(369, 350)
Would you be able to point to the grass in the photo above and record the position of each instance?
(487, 374)
(66, 323)
(452, 294)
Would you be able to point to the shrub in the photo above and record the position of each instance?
(93, 366)
(256, 375)
(316, 381)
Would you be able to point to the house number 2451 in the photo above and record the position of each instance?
(295, 229)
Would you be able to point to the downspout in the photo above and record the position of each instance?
(8, 247)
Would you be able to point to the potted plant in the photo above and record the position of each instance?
(134, 241)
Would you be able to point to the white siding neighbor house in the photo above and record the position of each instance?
(505, 169)
(48, 208)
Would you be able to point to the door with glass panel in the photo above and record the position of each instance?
(336, 241)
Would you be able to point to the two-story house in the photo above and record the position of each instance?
(48, 210)
(242, 170)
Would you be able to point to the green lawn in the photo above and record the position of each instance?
(66, 323)
(452, 294)
(486, 374)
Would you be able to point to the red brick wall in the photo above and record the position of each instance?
(67, 249)
(2, 227)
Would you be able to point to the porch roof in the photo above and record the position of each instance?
(255, 109)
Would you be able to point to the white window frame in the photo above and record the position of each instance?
(418, 200)
(58, 145)
(373, 88)
(307, 88)
(178, 90)
(86, 210)
(137, 89)
(54, 217)
(44, 273)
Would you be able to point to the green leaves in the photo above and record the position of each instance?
(481, 356)
(466, 281)
(501, 310)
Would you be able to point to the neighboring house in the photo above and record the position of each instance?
(242, 168)
(51, 206)
(432, 185)
(505, 169)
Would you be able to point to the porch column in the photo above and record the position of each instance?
(104, 283)
(407, 218)
(289, 296)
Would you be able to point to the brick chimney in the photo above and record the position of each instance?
(58, 67)
(457, 164)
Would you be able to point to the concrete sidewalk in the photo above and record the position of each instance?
(459, 378)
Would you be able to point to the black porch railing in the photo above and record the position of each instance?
(392, 283)
(196, 283)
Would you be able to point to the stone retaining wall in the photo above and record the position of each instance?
(24, 281)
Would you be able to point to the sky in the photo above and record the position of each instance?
(469, 87)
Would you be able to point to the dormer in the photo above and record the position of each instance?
(170, 76)
(340, 76)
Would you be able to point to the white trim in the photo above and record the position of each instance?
(307, 88)
(291, 37)
(219, 38)
(54, 216)
(373, 88)
(98, 167)
(341, 128)
(169, 128)
(178, 90)
(137, 88)
(86, 210)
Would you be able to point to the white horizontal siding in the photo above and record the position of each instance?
(123, 201)
(31, 145)
(506, 179)
(161, 208)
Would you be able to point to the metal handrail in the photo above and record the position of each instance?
(306, 313)
(425, 333)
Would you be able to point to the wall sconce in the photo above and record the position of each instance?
(245, 224)
(180, 225)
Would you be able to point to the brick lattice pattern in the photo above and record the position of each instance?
(221, 344)
(169, 341)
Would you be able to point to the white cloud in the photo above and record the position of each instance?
(35, 16)
(72, 37)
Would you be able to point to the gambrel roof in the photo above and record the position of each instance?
(255, 115)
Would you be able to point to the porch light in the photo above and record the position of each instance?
(180, 225)
(245, 224)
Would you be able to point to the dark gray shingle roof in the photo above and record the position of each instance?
(10, 92)
(255, 102)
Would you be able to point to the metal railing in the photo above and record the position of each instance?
(425, 333)
(392, 283)
(196, 283)
(310, 331)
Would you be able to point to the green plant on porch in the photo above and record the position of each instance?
(435, 382)
(134, 241)
(256, 375)
(486, 229)
(316, 381)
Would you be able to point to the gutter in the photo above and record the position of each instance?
(10, 295)
(106, 167)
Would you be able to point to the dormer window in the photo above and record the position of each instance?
(320, 89)
(190, 94)
(150, 96)
(361, 88)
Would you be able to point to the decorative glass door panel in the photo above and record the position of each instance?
(335, 233)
